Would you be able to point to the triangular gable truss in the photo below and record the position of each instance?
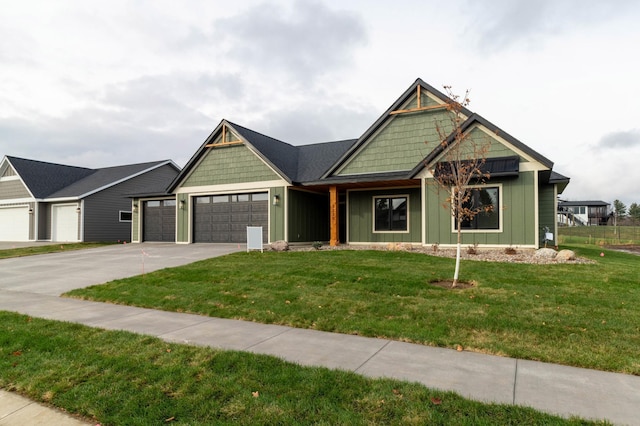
(419, 104)
(227, 137)
(419, 90)
(224, 135)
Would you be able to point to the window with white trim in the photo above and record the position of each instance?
(390, 214)
(125, 216)
(487, 200)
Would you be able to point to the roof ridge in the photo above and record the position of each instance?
(235, 125)
(10, 157)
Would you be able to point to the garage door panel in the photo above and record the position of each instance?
(260, 217)
(159, 220)
(229, 216)
(221, 208)
(14, 223)
(64, 223)
(240, 218)
(240, 207)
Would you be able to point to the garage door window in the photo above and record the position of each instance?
(169, 203)
(238, 198)
(261, 196)
(220, 198)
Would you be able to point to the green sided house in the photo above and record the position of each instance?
(376, 189)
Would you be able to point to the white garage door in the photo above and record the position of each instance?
(14, 223)
(64, 223)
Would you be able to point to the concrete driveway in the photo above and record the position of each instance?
(57, 273)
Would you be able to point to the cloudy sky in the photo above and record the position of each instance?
(102, 83)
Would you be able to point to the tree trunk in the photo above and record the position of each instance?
(457, 270)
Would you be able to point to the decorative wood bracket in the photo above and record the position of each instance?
(419, 107)
(224, 142)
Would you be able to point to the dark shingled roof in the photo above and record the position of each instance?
(49, 180)
(104, 178)
(315, 163)
(296, 164)
(43, 179)
(280, 155)
(314, 160)
(583, 203)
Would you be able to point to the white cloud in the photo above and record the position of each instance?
(304, 42)
(114, 82)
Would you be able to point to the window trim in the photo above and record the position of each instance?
(373, 214)
(500, 212)
(120, 212)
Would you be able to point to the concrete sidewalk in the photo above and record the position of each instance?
(31, 286)
(556, 389)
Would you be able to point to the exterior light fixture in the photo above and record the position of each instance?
(135, 207)
(276, 200)
(182, 203)
(30, 210)
(78, 210)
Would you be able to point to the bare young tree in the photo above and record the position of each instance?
(459, 168)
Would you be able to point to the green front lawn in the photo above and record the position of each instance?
(573, 314)
(120, 378)
(48, 248)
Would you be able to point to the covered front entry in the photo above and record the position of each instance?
(159, 220)
(224, 218)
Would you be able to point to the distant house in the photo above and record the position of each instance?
(583, 213)
(42, 201)
(376, 189)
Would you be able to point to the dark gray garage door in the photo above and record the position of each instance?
(159, 220)
(224, 218)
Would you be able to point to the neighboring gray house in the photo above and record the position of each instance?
(580, 213)
(42, 201)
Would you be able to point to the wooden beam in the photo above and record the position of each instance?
(221, 144)
(333, 216)
(426, 108)
(419, 97)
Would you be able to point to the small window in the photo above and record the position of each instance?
(487, 199)
(203, 200)
(169, 203)
(125, 216)
(390, 214)
(220, 198)
(260, 196)
(153, 203)
(239, 198)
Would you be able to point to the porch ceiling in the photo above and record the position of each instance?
(355, 184)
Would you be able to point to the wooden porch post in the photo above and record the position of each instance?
(333, 216)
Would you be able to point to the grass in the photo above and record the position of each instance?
(49, 248)
(115, 378)
(600, 235)
(572, 314)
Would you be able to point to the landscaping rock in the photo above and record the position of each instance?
(546, 253)
(565, 255)
(280, 246)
